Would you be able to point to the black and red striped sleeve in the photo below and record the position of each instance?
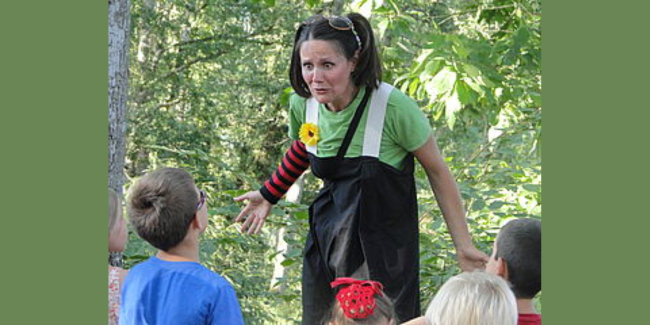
(294, 163)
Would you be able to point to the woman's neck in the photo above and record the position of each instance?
(345, 102)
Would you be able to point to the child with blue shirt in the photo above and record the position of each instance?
(172, 287)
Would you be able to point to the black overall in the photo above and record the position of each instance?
(363, 224)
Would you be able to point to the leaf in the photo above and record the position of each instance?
(471, 70)
(473, 85)
(437, 107)
(478, 205)
(407, 18)
(286, 94)
(312, 3)
(420, 62)
(394, 5)
(366, 8)
(425, 54)
(413, 87)
(302, 215)
(235, 192)
(537, 98)
(288, 262)
(432, 67)
(531, 187)
(294, 252)
(484, 81)
(436, 224)
(405, 86)
(452, 106)
(460, 50)
(392, 52)
(442, 83)
(383, 25)
(521, 37)
(496, 205)
(465, 94)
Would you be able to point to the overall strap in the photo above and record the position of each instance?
(375, 121)
(353, 125)
(312, 117)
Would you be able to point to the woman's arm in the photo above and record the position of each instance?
(294, 163)
(260, 202)
(448, 197)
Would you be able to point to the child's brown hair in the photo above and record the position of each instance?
(162, 205)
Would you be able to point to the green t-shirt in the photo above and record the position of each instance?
(405, 127)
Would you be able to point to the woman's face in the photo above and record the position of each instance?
(327, 72)
(118, 237)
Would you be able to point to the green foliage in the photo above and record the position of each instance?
(209, 93)
(477, 75)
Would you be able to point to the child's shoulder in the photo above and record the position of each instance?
(213, 278)
(190, 272)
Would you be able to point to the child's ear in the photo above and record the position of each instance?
(502, 268)
(196, 222)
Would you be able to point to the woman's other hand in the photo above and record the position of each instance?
(256, 211)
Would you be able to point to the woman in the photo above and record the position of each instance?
(117, 238)
(359, 135)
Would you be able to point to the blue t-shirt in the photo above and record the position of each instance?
(161, 292)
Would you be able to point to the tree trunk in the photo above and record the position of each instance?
(293, 196)
(118, 74)
(145, 44)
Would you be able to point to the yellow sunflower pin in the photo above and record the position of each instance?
(309, 134)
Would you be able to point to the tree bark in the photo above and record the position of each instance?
(145, 44)
(293, 196)
(118, 73)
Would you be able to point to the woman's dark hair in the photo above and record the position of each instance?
(368, 69)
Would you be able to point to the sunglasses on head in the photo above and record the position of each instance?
(201, 200)
(341, 23)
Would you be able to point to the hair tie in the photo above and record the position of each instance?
(357, 298)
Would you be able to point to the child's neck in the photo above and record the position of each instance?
(183, 252)
(526, 306)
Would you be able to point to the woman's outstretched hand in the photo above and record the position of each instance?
(470, 259)
(257, 209)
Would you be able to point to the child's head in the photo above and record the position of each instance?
(517, 256)
(162, 206)
(361, 303)
(117, 230)
(473, 298)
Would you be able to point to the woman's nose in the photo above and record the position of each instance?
(317, 75)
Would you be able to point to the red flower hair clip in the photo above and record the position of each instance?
(357, 298)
